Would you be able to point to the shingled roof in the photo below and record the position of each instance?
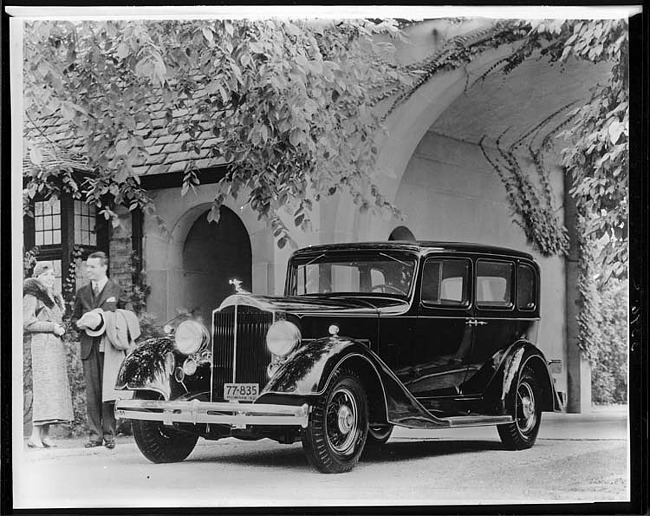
(60, 147)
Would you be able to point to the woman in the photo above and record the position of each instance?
(42, 317)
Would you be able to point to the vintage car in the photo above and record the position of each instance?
(366, 337)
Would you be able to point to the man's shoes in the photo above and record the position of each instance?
(110, 444)
(92, 444)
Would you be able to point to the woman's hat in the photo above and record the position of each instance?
(94, 322)
(40, 268)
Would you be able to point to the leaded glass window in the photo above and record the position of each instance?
(47, 222)
(85, 224)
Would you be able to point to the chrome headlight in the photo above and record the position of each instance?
(282, 338)
(190, 337)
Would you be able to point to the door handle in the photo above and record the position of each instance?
(474, 322)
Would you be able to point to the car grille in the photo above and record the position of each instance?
(239, 352)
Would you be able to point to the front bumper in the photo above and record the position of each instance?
(237, 415)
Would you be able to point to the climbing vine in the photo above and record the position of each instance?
(531, 200)
(589, 300)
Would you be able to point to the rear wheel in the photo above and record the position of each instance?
(528, 414)
(162, 444)
(336, 434)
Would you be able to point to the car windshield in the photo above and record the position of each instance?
(352, 273)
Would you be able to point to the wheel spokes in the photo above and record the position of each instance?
(342, 422)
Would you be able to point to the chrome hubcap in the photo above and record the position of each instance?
(342, 422)
(526, 411)
(346, 419)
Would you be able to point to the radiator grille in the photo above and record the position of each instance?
(239, 345)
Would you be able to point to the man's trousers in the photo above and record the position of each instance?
(101, 416)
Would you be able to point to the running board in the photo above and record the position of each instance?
(457, 421)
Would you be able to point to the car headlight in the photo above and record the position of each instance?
(282, 338)
(190, 336)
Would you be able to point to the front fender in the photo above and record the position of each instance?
(149, 367)
(307, 373)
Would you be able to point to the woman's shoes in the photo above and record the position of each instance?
(32, 444)
(48, 443)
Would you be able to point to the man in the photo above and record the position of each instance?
(104, 294)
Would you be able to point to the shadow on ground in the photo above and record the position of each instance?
(294, 457)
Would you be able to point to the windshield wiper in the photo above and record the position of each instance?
(313, 260)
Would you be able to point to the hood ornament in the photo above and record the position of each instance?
(237, 284)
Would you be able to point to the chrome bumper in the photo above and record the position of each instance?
(237, 415)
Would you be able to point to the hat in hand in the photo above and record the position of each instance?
(94, 322)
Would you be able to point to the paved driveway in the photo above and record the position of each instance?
(576, 459)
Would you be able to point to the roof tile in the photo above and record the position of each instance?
(169, 138)
(177, 167)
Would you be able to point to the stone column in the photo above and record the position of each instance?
(578, 368)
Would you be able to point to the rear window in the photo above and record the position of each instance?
(526, 288)
(494, 284)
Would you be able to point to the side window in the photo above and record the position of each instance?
(445, 282)
(494, 284)
(526, 288)
(376, 278)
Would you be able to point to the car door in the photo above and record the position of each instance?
(495, 320)
(436, 363)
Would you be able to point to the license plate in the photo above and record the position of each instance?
(241, 391)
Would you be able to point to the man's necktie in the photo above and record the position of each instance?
(95, 289)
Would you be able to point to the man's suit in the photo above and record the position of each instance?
(101, 416)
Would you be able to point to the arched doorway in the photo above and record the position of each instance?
(212, 255)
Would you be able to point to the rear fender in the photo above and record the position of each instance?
(521, 354)
(309, 371)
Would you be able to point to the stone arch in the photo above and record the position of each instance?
(212, 255)
(406, 127)
(163, 248)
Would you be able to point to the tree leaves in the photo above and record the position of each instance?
(264, 89)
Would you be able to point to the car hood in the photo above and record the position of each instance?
(305, 305)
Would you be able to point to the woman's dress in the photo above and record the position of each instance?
(52, 402)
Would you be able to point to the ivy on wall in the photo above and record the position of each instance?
(531, 195)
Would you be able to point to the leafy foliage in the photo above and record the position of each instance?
(609, 372)
(30, 258)
(588, 318)
(531, 201)
(597, 154)
(288, 106)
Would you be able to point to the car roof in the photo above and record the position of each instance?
(420, 246)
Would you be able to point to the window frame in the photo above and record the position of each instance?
(499, 308)
(468, 286)
(63, 251)
(522, 265)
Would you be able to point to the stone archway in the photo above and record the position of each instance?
(212, 255)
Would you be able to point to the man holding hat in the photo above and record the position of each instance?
(102, 294)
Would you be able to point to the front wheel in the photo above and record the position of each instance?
(336, 434)
(522, 434)
(159, 443)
